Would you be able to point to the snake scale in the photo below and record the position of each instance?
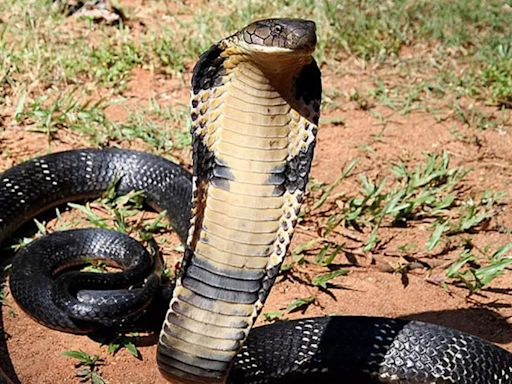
(255, 109)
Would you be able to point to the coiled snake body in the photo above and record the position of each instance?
(255, 108)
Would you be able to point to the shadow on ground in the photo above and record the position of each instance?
(480, 322)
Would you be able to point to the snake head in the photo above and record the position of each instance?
(280, 36)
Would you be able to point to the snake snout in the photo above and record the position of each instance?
(302, 35)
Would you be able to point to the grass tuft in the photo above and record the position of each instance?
(87, 366)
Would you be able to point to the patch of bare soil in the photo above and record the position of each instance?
(371, 289)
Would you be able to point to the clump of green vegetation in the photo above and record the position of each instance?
(472, 214)
(497, 76)
(117, 212)
(66, 111)
(80, 114)
(124, 342)
(475, 272)
(87, 366)
(431, 194)
(430, 191)
(111, 62)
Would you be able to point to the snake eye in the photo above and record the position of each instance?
(278, 29)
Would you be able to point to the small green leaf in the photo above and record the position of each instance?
(500, 252)
(123, 342)
(436, 235)
(40, 227)
(273, 315)
(130, 347)
(90, 214)
(331, 187)
(78, 355)
(321, 255)
(488, 273)
(285, 267)
(20, 106)
(323, 279)
(373, 240)
(96, 378)
(300, 303)
(113, 348)
(455, 268)
(156, 223)
(111, 192)
(324, 258)
(306, 246)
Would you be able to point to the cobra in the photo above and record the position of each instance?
(255, 109)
